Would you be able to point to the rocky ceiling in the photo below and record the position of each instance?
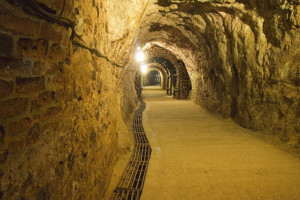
(194, 26)
(242, 55)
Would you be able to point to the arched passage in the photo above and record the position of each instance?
(178, 82)
(163, 73)
(67, 93)
(152, 78)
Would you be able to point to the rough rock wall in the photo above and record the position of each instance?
(62, 109)
(242, 57)
(252, 74)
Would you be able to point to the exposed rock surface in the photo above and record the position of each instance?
(243, 57)
(63, 110)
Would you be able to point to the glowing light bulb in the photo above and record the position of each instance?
(140, 56)
(144, 69)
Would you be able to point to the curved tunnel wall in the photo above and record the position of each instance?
(65, 109)
(242, 57)
(178, 80)
(162, 71)
(152, 78)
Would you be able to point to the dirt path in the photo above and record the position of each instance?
(196, 155)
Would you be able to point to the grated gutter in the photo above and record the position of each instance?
(132, 180)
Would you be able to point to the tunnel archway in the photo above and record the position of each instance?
(152, 78)
(177, 83)
(68, 95)
(163, 73)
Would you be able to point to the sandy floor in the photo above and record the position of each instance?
(196, 155)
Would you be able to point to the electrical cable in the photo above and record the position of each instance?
(96, 52)
(63, 8)
(49, 16)
(69, 23)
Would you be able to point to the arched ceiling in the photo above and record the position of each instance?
(158, 66)
(229, 47)
(193, 29)
(157, 54)
(157, 51)
(164, 62)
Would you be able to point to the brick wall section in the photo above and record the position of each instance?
(18, 25)
(60, 115)
(6, 42)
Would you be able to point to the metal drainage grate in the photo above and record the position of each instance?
(133, 178)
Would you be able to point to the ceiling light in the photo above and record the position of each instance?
(144, 68)
(140, 56)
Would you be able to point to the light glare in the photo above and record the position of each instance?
(140, 56)
(143, 69)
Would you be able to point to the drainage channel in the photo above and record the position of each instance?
(133, 178)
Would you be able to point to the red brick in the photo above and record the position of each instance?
(2, 133)
(50, 33)
(32, 48)
(29, 85)
(3, 156)
(20, 126)
(16, 146)
(42, 100)
(9, 21)
(6, 88)
(12, 107)
(11, 67)
(6, 46)
(56, 52)
(33, 134)
(39, 68)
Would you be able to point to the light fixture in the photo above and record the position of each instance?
(144, 68)
(140, 56)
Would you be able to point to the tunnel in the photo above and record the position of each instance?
(149, 99)
(153, 78)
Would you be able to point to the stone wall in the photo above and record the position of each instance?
(242, 57)
(252, 66)
(64, 112)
